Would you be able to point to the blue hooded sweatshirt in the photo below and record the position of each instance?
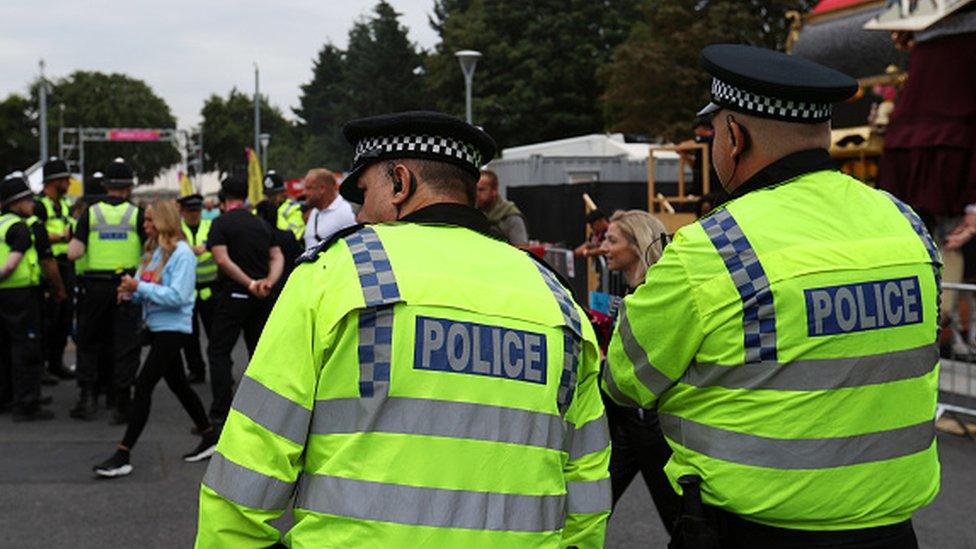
(168, 303)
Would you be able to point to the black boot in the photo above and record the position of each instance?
(120, 416)
(85, 408)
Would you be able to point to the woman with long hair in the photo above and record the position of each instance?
(634, 242)
(165, 285)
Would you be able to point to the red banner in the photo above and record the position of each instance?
(133, 135)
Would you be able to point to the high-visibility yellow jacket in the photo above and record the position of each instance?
(206, 264)
(410, 394)
(28, 271)
(788, 341)
(113, 238)
(58, 220)
(290, 218)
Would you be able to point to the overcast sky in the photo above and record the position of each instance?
(186, 50)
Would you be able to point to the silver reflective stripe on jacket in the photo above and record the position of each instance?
(649, 376)
(592, 496)
(245, 486)
(272, 411)
(438, 507)
(593, 436)
(103, 226)
(817, 374)
(800, 453)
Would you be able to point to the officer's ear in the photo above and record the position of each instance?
(738, 136)
(403, 184)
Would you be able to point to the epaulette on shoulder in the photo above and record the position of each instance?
(311, 255)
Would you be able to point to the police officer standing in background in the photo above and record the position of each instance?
(53, 210)
(289, 210)
(23, 248)
(197, 231)
(423, 380)
(788, 338)
(109, 236)
(249, 264)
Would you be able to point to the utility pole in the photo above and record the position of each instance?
(257, 114)
(42, 93)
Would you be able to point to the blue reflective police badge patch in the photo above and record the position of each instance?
(467, 348)
(864, 306)
(108, 235)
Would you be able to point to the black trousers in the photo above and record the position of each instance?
(20, 351)
(162, 362)
(234, 313)
(637, 445)
(202, 315)
(737, 533)
(57, 317)
(106, 327)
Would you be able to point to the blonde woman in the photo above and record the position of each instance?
(633, 243)
(164, 284)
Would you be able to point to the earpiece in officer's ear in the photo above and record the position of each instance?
(746, 138)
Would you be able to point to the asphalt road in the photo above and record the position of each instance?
(49, 497)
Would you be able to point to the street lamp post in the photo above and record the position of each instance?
(265, 139)
(468, 60)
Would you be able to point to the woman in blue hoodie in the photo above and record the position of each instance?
(164, 284)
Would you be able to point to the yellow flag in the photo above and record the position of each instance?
(186, 188)
(255, 179)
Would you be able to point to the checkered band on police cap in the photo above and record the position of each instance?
(433, 145)
(738, 99)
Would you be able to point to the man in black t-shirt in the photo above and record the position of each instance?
(250, 265)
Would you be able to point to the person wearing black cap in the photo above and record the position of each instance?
(250, 264)
(289, 210)
(109, 237)
(379, 381)
(787, 339)
(54, 211)
(23, 248)
(197, 231)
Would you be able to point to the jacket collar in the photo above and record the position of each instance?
(451, 214)
(785, 169)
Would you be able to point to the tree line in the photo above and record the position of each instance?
(550, 69)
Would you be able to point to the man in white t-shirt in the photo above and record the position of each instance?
(330, 212)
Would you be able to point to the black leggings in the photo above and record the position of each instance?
(164, 362)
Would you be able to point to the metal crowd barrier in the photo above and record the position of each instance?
(957, 380)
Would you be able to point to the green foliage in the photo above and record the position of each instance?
(379, 72)
(654, 84)
(95, 99)
(537, 78)
(18, 144)
(228, 128)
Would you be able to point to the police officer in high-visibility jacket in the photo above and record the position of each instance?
(54, 211)
(788, 338)
(419, 383)
(196, 231)
(289, 210)
(110, 236)
(25, 255)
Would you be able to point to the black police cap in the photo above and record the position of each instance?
(13, 188)
(416, 134)
(55, 168)
(771, 84)
(273, 183)
(192, 202)
(119, 175)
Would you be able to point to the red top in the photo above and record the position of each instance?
(825, 6)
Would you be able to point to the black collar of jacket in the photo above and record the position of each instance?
(457, 215)
(785, 169)
(451, 214)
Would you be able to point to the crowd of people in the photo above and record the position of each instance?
(422, 378)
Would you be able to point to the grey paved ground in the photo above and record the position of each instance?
(48, 497)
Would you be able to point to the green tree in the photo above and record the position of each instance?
(18, 146)
(537, 78)
(654, 84)
(228, 129)
(380, 71)
(95, 99)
